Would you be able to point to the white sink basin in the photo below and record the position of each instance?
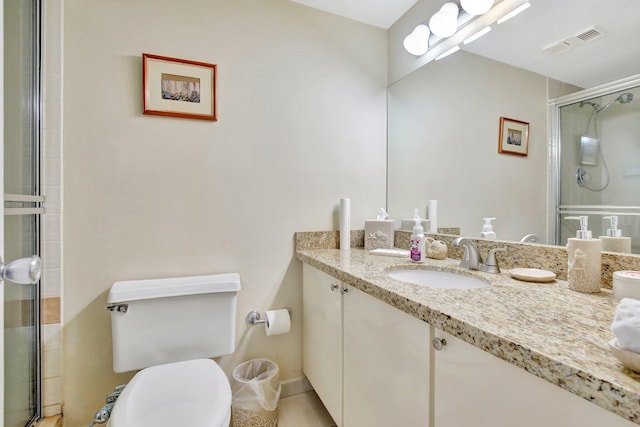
(438, 279)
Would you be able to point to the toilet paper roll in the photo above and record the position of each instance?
(278, 322)
(345, 223)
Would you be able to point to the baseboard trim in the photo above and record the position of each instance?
(295, 386)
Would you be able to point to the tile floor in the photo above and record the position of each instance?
(300, 410)
(303, 410)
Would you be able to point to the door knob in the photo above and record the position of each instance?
(24, 271)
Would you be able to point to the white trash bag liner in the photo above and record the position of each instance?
(255, 392)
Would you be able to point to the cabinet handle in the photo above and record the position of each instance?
(333, 287)
(344, 290)
(439, 343)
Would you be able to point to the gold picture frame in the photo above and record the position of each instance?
(514, 137)
(179, 88)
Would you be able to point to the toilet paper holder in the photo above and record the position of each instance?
(254, 317)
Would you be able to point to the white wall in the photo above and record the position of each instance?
(302, 115)
(443, 145)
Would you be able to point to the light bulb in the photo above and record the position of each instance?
(417, 43)
(476, 7)
(445, 22)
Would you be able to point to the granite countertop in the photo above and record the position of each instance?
(550, 331)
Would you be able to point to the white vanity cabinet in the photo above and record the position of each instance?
(475, 388)
(322, 337)
(368, 362)
(386, 364)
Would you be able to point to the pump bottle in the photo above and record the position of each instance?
(584, 259)
(417, 239)
(487, 229)
(613, 241)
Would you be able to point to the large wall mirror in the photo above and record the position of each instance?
(444, 118)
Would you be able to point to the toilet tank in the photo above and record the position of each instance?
(160, 321)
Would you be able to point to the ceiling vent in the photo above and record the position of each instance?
(587, 35)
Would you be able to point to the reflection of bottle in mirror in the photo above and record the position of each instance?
(417, 240)
(487, 229)
(614, 241)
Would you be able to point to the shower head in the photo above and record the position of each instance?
(625, 98)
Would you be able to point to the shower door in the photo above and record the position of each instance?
(22, 208)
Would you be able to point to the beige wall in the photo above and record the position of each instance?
(302, 119)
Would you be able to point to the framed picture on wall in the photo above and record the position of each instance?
(178, 87)
(514, 137)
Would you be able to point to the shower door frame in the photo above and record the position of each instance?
(554, 156)
(31, 204)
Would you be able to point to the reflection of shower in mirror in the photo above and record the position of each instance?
(590, 147)
(598, 146)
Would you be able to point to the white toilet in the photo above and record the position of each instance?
(170, 328)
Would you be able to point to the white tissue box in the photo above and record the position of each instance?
(378, 234)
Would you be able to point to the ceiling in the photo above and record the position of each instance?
(379, 13)
(520, 41)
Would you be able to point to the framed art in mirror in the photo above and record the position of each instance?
(179, 87)
(514, 137)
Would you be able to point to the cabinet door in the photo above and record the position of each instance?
(322, 338)
(475, 388)
(386, 364)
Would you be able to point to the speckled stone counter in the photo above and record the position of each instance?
(550, 331)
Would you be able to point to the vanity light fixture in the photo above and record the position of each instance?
(449, 52)
(451, 25)
(476, 7)
(417, 43)
(445, 22)
(477, 35)
(514, 12)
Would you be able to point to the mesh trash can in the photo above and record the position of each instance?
(255, 390)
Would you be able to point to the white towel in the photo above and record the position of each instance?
(626, 324)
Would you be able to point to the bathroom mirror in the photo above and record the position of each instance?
(444, 118)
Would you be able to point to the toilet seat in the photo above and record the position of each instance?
(194, 393)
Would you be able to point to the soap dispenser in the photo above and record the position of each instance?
(584, 259)
(417, 239)
(487, 229)
(613, 241)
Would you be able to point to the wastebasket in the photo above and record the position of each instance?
(255, 392)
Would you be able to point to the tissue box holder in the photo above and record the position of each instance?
(378, 234)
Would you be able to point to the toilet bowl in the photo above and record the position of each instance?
(168, 329)
(195, 393)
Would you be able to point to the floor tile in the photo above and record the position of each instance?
(303, 410)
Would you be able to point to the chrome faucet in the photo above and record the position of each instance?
(472, 259)
(530, 238)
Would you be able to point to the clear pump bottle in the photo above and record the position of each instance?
(487, 229)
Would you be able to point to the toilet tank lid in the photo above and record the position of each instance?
(133, 290)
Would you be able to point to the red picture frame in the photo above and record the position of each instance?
(176, 87)
(514, 137)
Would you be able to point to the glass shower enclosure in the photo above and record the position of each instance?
(596, 144)
(23, 209)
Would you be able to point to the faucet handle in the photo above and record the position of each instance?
(491, 258)
(491, 266)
